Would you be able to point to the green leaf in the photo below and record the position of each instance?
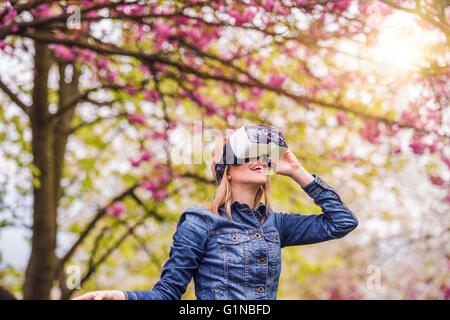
(36, 182)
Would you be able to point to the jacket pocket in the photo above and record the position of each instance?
(235, 246)
(273, 240)
(272, 236)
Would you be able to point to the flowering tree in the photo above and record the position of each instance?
(139, 70)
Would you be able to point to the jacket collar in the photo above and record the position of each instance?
(261, 208)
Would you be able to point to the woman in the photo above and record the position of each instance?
(232, 248)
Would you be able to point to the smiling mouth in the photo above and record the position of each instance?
(258, 169)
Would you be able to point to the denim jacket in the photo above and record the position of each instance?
(241, 259)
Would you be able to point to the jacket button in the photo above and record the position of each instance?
(262, 260)
(276, 237)
(234, 238)
(260, 289)
(257, 235)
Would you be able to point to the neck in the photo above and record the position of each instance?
(244, 193)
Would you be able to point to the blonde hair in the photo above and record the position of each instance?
(223, 192)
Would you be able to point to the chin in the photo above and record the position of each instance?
(258, 181)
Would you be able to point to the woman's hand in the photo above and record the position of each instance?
(102, 295)
(287, 165)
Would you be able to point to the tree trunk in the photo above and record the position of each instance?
(40, 270)
(67, 92)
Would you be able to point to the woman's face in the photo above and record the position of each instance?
(254, 172)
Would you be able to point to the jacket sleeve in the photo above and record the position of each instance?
(187, 249)
(335, 221)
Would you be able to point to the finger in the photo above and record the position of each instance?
(86, 296)
(99, 296)
(274, 165)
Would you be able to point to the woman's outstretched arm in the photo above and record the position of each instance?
(185, 254)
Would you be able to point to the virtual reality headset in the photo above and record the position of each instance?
(251, 142)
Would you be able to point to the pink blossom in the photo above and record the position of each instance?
(398, 150)
(227, 89)
(392, 130)
(211, 109)
(161, 67)
(417, 147)
(63, 52)
(267, 4)
(151, 96)
(116, 209)
(436, 180)
(43, 11)
(276, 81)
(160, 195)
(87, 3)
(103, 63)
(329, 81)
(446, 292)
(342, 117)
(228, 113)
(233, 13)
(434, 115)
(113, 75)
(130, 90)
(340, 6)
(2, 45)
(246, 17)
(198, 82)
(91, 14)
(9, 17)
(149, 185)
(135, 163)
(412, 293)
(87, 54)
(183, 20)
(145, 156)
(433, 146)
(408, 118)
(371, 132)
(172, 124)
(249, 105)
(158, 136)
(348, 158)
(193, 32)
(136, 118)
(446, 160)
(256, 92)
(162, 32)
(164, 178)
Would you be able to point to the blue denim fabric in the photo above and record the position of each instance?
(241, 259)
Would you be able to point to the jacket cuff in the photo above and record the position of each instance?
(129, 295)
(315, 187)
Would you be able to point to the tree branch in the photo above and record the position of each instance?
(99, 119)
(149, 59)
(423, 15)
(100, 213)
(14, 98)
(93, 267)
